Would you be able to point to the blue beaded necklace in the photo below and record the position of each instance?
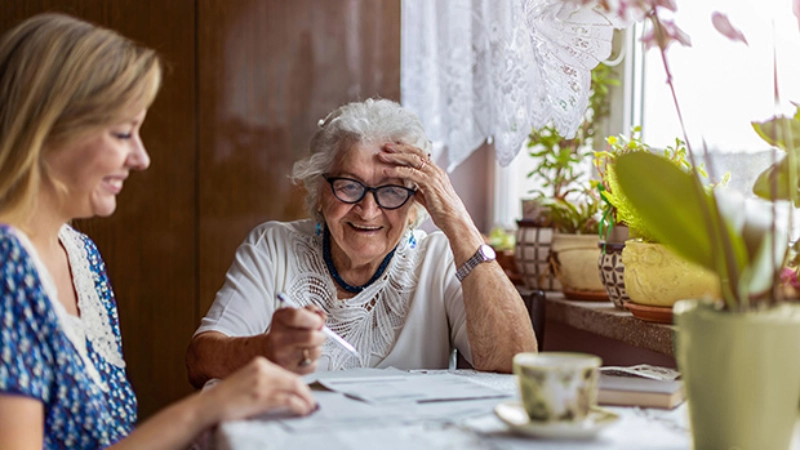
(326, 254)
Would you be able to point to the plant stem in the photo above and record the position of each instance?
(729, 282)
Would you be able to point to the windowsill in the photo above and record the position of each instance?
(603, 319)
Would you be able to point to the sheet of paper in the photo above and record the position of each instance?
(405, 387)
(339, 412)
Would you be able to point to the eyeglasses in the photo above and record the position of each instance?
(351, 191)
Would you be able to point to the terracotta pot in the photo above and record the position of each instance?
(531, 255)
(573, 259)
(655, 276)
(741, 373)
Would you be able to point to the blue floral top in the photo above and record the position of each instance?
(41, 357)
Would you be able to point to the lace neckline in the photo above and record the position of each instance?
(326, 254)
(92, 325)
(370, 320)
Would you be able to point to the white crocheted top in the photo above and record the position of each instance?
(410, 318)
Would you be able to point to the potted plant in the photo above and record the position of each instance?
(574, 251)
(657, 278)
(561, 202)
(737, 352)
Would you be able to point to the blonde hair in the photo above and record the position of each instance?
(370, 121)
(60, 79)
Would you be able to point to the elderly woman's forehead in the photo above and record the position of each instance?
(361, 151)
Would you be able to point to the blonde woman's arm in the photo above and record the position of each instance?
(258, 387)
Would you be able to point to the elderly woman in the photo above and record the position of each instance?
(73, 97)
(402, 297)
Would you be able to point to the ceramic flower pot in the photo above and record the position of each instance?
(655, 276)
(612, 272)
(531, 255)
(573, 259)
(741, 374)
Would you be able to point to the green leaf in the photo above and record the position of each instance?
(666, 198)
(777, 177)
(782, 132)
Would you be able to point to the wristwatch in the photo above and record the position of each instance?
(485, 253)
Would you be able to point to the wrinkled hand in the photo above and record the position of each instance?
(256, 388)
(295, 340)
(435, 192)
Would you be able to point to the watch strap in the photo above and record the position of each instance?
(483, 254)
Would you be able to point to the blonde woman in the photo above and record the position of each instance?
(73, 97)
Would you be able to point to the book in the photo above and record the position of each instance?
(629, 390)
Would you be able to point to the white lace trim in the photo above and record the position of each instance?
(94, 314)
(369, 320)
(73, 326)
(476, 70)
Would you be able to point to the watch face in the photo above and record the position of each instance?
(488, 252)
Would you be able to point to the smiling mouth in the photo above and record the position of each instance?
(364, 227)
(114, 184)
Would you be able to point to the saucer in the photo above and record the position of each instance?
(513, 414)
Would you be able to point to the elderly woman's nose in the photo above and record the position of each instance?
(369, 203)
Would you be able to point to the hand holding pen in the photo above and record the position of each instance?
(294, 339)
(284, 299)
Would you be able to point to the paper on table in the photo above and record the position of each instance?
(643, 371)
(411, 388)
(338, 411)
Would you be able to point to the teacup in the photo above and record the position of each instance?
(557, 386)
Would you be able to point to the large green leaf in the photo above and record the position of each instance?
(781, 132)
(666, 198)
(776, 177)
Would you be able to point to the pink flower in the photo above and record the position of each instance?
(631, 10)
(663, 33)
(796, 10)
(789, 277)
(723, 25)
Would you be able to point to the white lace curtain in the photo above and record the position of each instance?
(478, 70)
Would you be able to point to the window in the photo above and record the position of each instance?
(721, 86)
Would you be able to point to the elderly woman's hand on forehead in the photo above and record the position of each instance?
(435, 192)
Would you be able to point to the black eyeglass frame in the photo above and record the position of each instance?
(374, 191)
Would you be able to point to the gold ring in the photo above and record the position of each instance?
(306, 361)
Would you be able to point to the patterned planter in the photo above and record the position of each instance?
(612, 272)
(655, 276)
(532, 253)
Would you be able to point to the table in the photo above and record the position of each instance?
(476, 428)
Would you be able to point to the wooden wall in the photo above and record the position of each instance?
(247, 81)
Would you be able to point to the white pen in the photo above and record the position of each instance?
(283, 298)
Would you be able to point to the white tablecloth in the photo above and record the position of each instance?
(478, 428)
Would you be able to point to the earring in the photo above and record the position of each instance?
(412, 241)
(318, 229)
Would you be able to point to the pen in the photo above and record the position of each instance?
(283, 298)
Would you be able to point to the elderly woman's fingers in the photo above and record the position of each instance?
(308, 318)
(295, 340)
(407, 155)
(318, 311)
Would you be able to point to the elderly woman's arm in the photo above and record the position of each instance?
(498, 324)
(293, 338)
